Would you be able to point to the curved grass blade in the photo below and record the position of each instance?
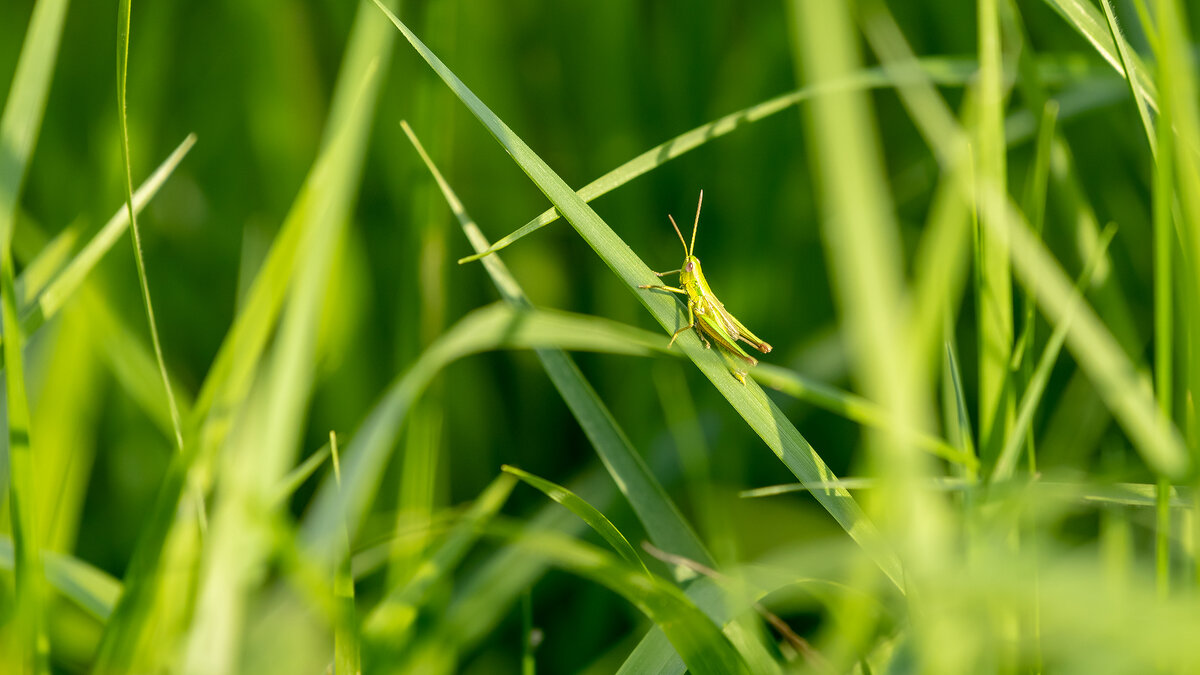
(700, 643)
(586, 512)
(750, 401)
(1007, 461)
(19, 127)
(662, 520)
(493, 327)
(394, 616)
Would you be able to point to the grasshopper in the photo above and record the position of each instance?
(705, 312)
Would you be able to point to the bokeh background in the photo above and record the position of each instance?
(587, 86)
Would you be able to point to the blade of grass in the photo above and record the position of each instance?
(994, 315)
(653, 506)
(64, 285)
(1164, 319)
(856, 409)
(19, 127)
(1126, 56)
(585, 511)
(123, 17)
(1007, 461)
(1034, 204)
(1178, 77)
(749, 400)
(862, 243)
(1088, 21)
(239, 540)
(346, 655)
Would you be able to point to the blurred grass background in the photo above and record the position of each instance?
(587, 86)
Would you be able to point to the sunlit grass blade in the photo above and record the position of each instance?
(1097, 352)
(1126, 54)
(387, 624)
(19, 127)
(494, 327)
(1083, 16)
(749, 400)
(1007, 461)
(659, 515)
(239, 539)
(586, 512)
(995, 314)
(1164, 203)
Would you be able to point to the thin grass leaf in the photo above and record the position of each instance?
(388, 623)
(19, 127)
(1126, 55)
(484, 597)
(662, 520)
(1164, 201)
(1032, 398)
(297, 476)
(40, 261)
(995, 314)
(1090, 23)
(586, 512)
(64, 285)
(123, 12)
(494, 327)
(856, 409)
(749, 400)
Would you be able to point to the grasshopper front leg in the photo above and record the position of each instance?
(691, 322)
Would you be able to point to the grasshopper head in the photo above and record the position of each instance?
(690, 269)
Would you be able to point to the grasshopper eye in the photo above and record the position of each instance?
(690, 266)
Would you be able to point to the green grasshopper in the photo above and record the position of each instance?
(705, 312)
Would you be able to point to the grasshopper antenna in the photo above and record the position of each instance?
(685, 248)
(697, 223)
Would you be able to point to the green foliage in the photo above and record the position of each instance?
(300, 457)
